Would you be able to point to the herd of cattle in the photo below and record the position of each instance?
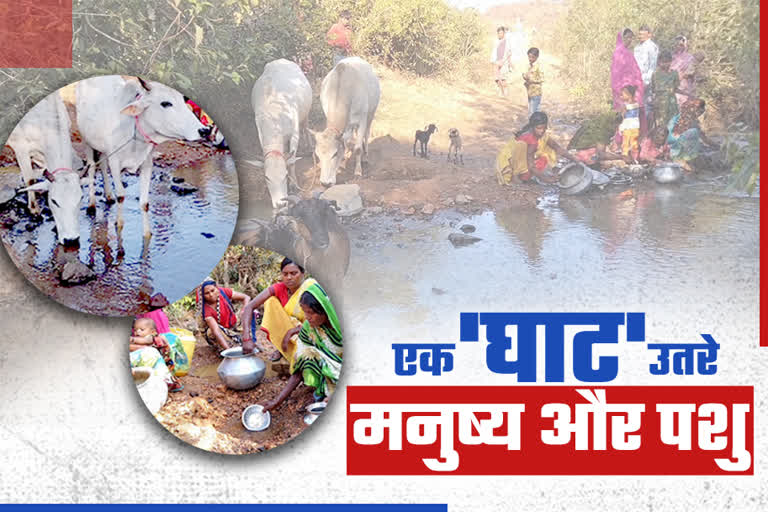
(282, 99)
(122, 119)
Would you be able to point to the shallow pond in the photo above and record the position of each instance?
(189, 235)
(686, 253)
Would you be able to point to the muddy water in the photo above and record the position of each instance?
(662, 248)
(189, 235)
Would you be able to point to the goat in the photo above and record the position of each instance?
(455, 146)
(423, 138)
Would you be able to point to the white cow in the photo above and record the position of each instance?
(43, 136)
(125, 118)
(350, 95)
(281, 99)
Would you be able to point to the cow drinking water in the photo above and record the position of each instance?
(350, 95)
(43, 136)
(124, 118)
(281, 99)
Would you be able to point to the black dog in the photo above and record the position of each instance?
(423, 138)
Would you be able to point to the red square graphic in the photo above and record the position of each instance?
(35, 33)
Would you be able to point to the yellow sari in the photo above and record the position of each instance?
(279, 319)
(517, 151)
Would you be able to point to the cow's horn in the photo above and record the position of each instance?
(144, 84)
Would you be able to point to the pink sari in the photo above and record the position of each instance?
(625, 71)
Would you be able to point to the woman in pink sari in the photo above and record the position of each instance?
(685, 65)
(625, 71)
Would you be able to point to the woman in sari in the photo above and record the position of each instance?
(216, 315)
(282, 311)
(531, 154)
(501, 55)
(319, 350)
(685, 65)
(665, 83)
(685, 134)
(624, 72)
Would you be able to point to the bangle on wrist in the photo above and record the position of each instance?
(246, 339)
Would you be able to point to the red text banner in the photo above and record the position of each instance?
(550, 430)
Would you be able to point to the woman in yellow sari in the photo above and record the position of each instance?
(531, 154)
(282, 311)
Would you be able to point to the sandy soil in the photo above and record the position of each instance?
(207, 414)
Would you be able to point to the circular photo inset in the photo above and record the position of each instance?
(114, 189)
(245, 362)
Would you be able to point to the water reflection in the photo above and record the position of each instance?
(189, 234)
(529, 227)
(662, 245)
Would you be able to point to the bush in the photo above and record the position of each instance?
(743, 157)
(425, 37)
(247, 269)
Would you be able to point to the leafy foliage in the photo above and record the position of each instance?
(248, 269)
(744, 159)
(425, 37)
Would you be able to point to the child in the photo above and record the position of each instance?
(339, 37)
(665, 84)
(654, 148)
(500, 60)
(533, 80)
(150, 349)
(630, 126)
(156, 304)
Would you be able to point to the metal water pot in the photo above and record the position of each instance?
(575, 178)
(668, 173)
(240, 371)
